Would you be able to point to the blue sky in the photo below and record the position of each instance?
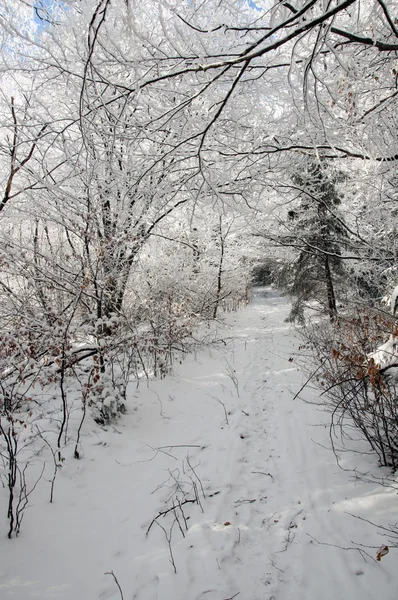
(45, 10)
(253, 5)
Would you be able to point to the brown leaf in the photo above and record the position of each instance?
(382, 552)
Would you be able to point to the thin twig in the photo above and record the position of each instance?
(263, 473)
(196, 475)
(312, 375)
(223, 405)
(181, 446)
(162, 513)
(168, 538)
(116, 581)
(361, 552)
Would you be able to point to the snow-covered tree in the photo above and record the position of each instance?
(315, 231)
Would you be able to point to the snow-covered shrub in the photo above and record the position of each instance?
(105, 389)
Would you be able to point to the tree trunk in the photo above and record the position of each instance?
(332, 308)
(219, 275)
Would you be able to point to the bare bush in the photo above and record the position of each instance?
(359, 392)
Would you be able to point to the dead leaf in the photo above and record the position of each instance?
(382, 552)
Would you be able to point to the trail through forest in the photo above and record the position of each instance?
(262, 511)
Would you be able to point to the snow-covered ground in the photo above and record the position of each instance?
(224, 428)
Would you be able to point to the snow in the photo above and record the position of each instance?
(275, 508)
(393, 301)
(386, 355)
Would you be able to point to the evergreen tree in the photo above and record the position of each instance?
(317, 233)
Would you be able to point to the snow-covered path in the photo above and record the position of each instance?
(268, 485)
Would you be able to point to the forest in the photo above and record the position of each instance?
(157, 161)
